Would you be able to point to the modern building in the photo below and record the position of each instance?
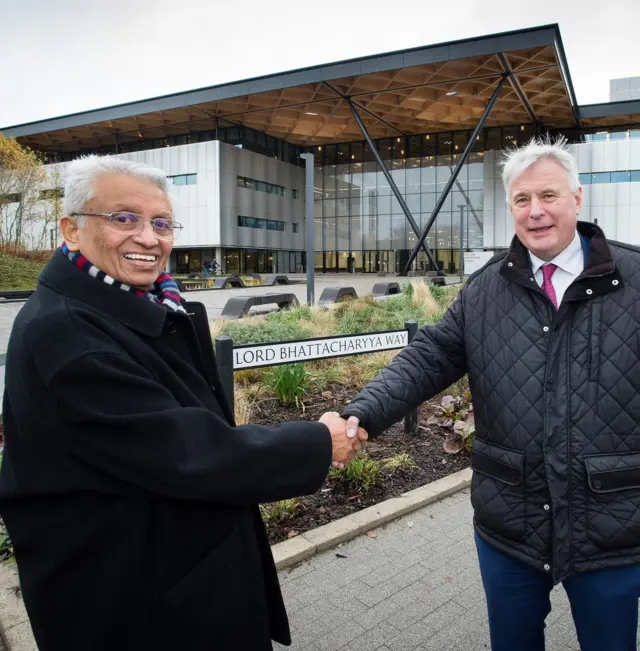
(406, 149)
(624, 89)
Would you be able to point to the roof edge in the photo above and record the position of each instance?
(609, 109)
(547, 34)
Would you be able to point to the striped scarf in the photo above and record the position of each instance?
(165, 290)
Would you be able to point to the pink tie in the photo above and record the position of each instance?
(547, 286)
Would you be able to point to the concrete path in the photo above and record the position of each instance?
(415, 586)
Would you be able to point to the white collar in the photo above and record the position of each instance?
(568, 260)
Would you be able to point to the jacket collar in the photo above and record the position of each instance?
(600, 275)
(136, 313)
(600, 260)
(572, 260)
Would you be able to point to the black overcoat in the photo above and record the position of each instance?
(129, 494)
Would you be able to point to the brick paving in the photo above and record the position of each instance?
(415, 586)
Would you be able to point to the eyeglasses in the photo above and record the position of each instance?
(123, 220)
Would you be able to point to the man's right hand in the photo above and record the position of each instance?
(346, 437)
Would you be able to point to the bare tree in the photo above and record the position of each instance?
(44, 221)
(21, 176)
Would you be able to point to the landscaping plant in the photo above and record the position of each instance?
(455, 414)
(289, 383)
(278, 512)
(362, 473)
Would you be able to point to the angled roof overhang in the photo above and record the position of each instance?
(436, 88)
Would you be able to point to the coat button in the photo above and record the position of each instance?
(510, 264)
(546, 507)
(615, 282)
(597, 484)
(547, 567)
(545, 329)
(589, 292)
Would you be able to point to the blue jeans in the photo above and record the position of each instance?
(604, 604)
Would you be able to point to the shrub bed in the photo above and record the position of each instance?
(390, 464)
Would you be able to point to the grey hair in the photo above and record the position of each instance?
(517, 161)
(82, 172)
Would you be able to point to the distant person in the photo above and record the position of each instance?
(128, 492)
(548, 332)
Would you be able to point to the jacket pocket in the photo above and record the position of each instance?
(206, 602)
(613, 500)
(497, 493)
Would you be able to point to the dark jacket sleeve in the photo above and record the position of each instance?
(433, 361)
(130, 427)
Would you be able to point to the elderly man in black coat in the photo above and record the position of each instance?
(548, 332)
(129, 494)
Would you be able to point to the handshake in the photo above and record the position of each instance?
(346, 437)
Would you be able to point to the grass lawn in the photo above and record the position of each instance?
(19, 272)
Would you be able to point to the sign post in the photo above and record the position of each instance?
(232, 358)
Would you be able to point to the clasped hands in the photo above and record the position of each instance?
(346, 437)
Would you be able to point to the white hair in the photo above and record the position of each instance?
(517, 161)
(82, 172)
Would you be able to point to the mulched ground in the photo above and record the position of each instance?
(335, 498)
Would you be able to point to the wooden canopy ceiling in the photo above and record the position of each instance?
(419, 99)
(439, 88)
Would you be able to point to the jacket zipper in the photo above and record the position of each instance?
(544, 446)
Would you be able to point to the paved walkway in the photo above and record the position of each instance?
(415, 586)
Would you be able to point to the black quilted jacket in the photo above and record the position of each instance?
(556, 458)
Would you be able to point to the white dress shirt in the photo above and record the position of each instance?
(570, 263)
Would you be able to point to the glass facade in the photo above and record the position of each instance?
(359, 224)
(246, 261)
(262, 186)
(610, 177)
(255, 222)
(184, 179)
(194, 131)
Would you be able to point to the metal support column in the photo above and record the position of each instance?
(461, 161)
(461, 206)
(392, 183)
(308, 208)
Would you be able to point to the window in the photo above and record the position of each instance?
(585, 179)
(250, 222)
(634, 134)
(601, 135)
(273, 225)
(184, 179)
(254, 222)
(262, 186)
(619, 135)
(52, 194)
(295, 193)
(295, 227)
(620, 177)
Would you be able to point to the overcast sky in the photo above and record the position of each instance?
(64, 56)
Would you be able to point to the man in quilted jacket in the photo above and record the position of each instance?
(549, 334)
